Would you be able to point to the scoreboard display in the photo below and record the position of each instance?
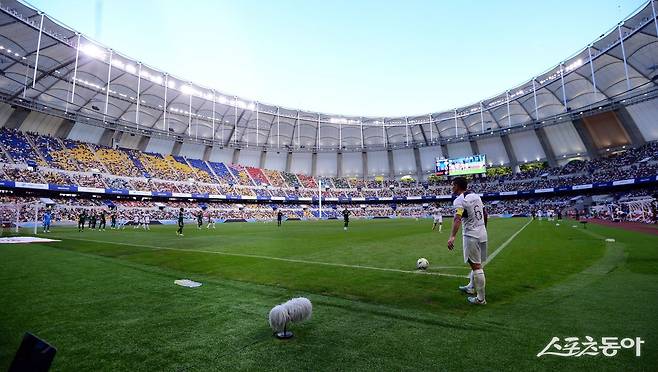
(474, 164)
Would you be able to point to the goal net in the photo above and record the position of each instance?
(22, 217)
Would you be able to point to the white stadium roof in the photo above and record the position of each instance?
(84, 80)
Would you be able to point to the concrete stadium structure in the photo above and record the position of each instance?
(57, 81)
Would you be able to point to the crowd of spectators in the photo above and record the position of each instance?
(632, 206)
(71, 162)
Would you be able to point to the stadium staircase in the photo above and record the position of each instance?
(204, 173)
(257, 176)
(222, 173)
(212, 171)
(92, 149)
(5, 155)
(241, 175)
(41, 160)
(135, 159)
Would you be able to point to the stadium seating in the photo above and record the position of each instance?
(222, 172)
(157, 167)
(327, 182)
(262, 192)
(66, 158)
(52, 150)
(56, 178)
(240, 174)
(204, 172)
(18, 147)
(208, 188)
(118, 183)
(89, 180)
(22, 175)
(340, 183)
(291, 179)
(307, 181)
(275, 191)
(357, 183)
(83, 156)
(142, 185)
(134, 156)
(190, 188)
(117, 162)
(181, 164)
(258, 176)
(275, 179)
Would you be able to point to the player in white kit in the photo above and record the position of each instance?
(438, 220)
(147, 221)
(211, 219)
(470, 212)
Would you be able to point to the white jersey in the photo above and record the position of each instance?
(469, 206)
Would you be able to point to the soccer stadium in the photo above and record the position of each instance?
(167, 225)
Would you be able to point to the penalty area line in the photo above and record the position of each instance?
(292, 260)
(505, 244)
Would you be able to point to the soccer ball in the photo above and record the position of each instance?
(422, 264)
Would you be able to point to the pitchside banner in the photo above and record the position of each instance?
(62, 188)
(29, 185)
(139, 193)
(94, 190)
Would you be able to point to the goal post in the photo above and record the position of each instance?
(15, 216)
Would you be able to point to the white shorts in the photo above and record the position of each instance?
(475, 251)
(436, 220)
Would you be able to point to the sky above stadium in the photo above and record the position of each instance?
(366, 57)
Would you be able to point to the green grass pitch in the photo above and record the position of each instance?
(107, 300)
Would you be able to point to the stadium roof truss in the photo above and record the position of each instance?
(86, 80)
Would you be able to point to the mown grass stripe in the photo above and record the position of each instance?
(273, 258)
(506, 243)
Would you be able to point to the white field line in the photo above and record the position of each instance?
(505, 244)
(273, 258)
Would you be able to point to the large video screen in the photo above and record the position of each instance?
(442, 166)
(474, 164)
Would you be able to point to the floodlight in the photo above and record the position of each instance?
(93, 51)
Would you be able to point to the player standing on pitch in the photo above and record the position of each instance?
(46, 221)
(470, 211)
(279, 218)
(438, 219)
(346, 218)
(81, 220)
(179, 232)
(211, 219)
(101, 225)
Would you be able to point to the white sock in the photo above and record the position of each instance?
(440, 228)
(480, 282)
(470, 280)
